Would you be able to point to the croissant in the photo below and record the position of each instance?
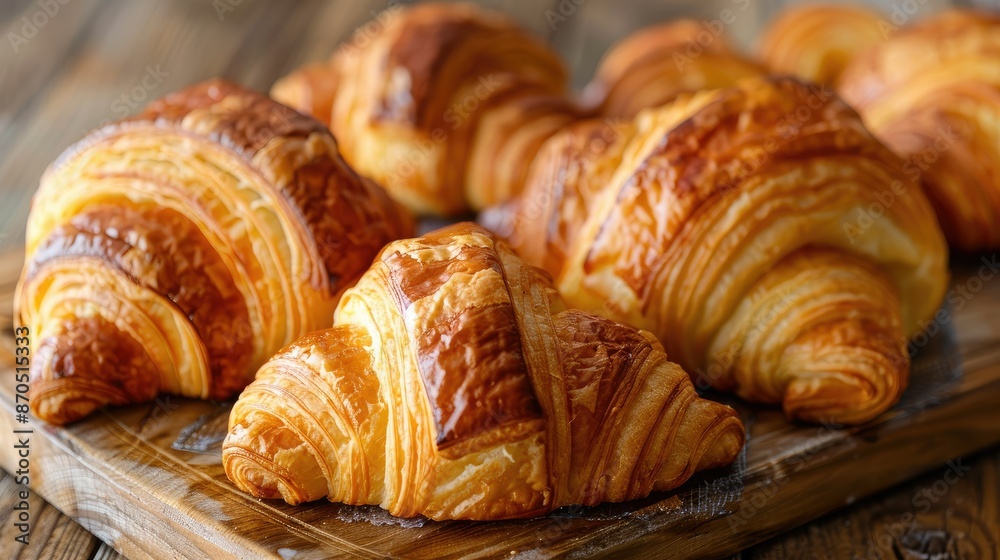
(931, 92)
(442, 104)
(454, 385)
(760, 232)
(177, 250)
(653, 66)
(817, 41)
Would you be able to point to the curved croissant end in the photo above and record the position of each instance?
(773, 246)
(653, 66)
(816, 42)
(176, 250)
(931, 92)
(454, 386)
(442, 104)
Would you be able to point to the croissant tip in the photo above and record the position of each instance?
(833, 401)
(63, 411)
(261, 477)
(723, 447)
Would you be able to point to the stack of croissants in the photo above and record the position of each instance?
(777, 228)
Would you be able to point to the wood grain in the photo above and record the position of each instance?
(55, 535)
(941, 514)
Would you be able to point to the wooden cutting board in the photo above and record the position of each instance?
(148, 479)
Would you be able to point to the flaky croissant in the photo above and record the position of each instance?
(444, 105)
(817, 41)
(455, 386)
(651, 67)
(772, 245)
(931, 92)
(177, 250)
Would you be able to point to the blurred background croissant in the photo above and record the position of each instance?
(456, 129)
(929, 89)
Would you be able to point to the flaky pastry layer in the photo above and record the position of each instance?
(176, 250)
(454, 385)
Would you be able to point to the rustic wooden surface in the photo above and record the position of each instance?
(94, 60)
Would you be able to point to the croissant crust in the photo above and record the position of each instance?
(772, 245)
(454, 385)
(178, 249)
(931, 92)
(443, 104)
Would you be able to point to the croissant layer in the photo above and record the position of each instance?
(931, 92)
(773, 246)
(184, 245)
(454, 385)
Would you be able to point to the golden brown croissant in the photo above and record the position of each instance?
(760, 232)
(455, 386)
(653, 66)
(931, 92)
(444, 105)
(816, 41)
(177, 250)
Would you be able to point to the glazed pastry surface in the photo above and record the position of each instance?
(931, 92)
(177, 250)
(768, 240)
(454, 385)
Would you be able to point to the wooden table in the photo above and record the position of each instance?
(64, 72)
